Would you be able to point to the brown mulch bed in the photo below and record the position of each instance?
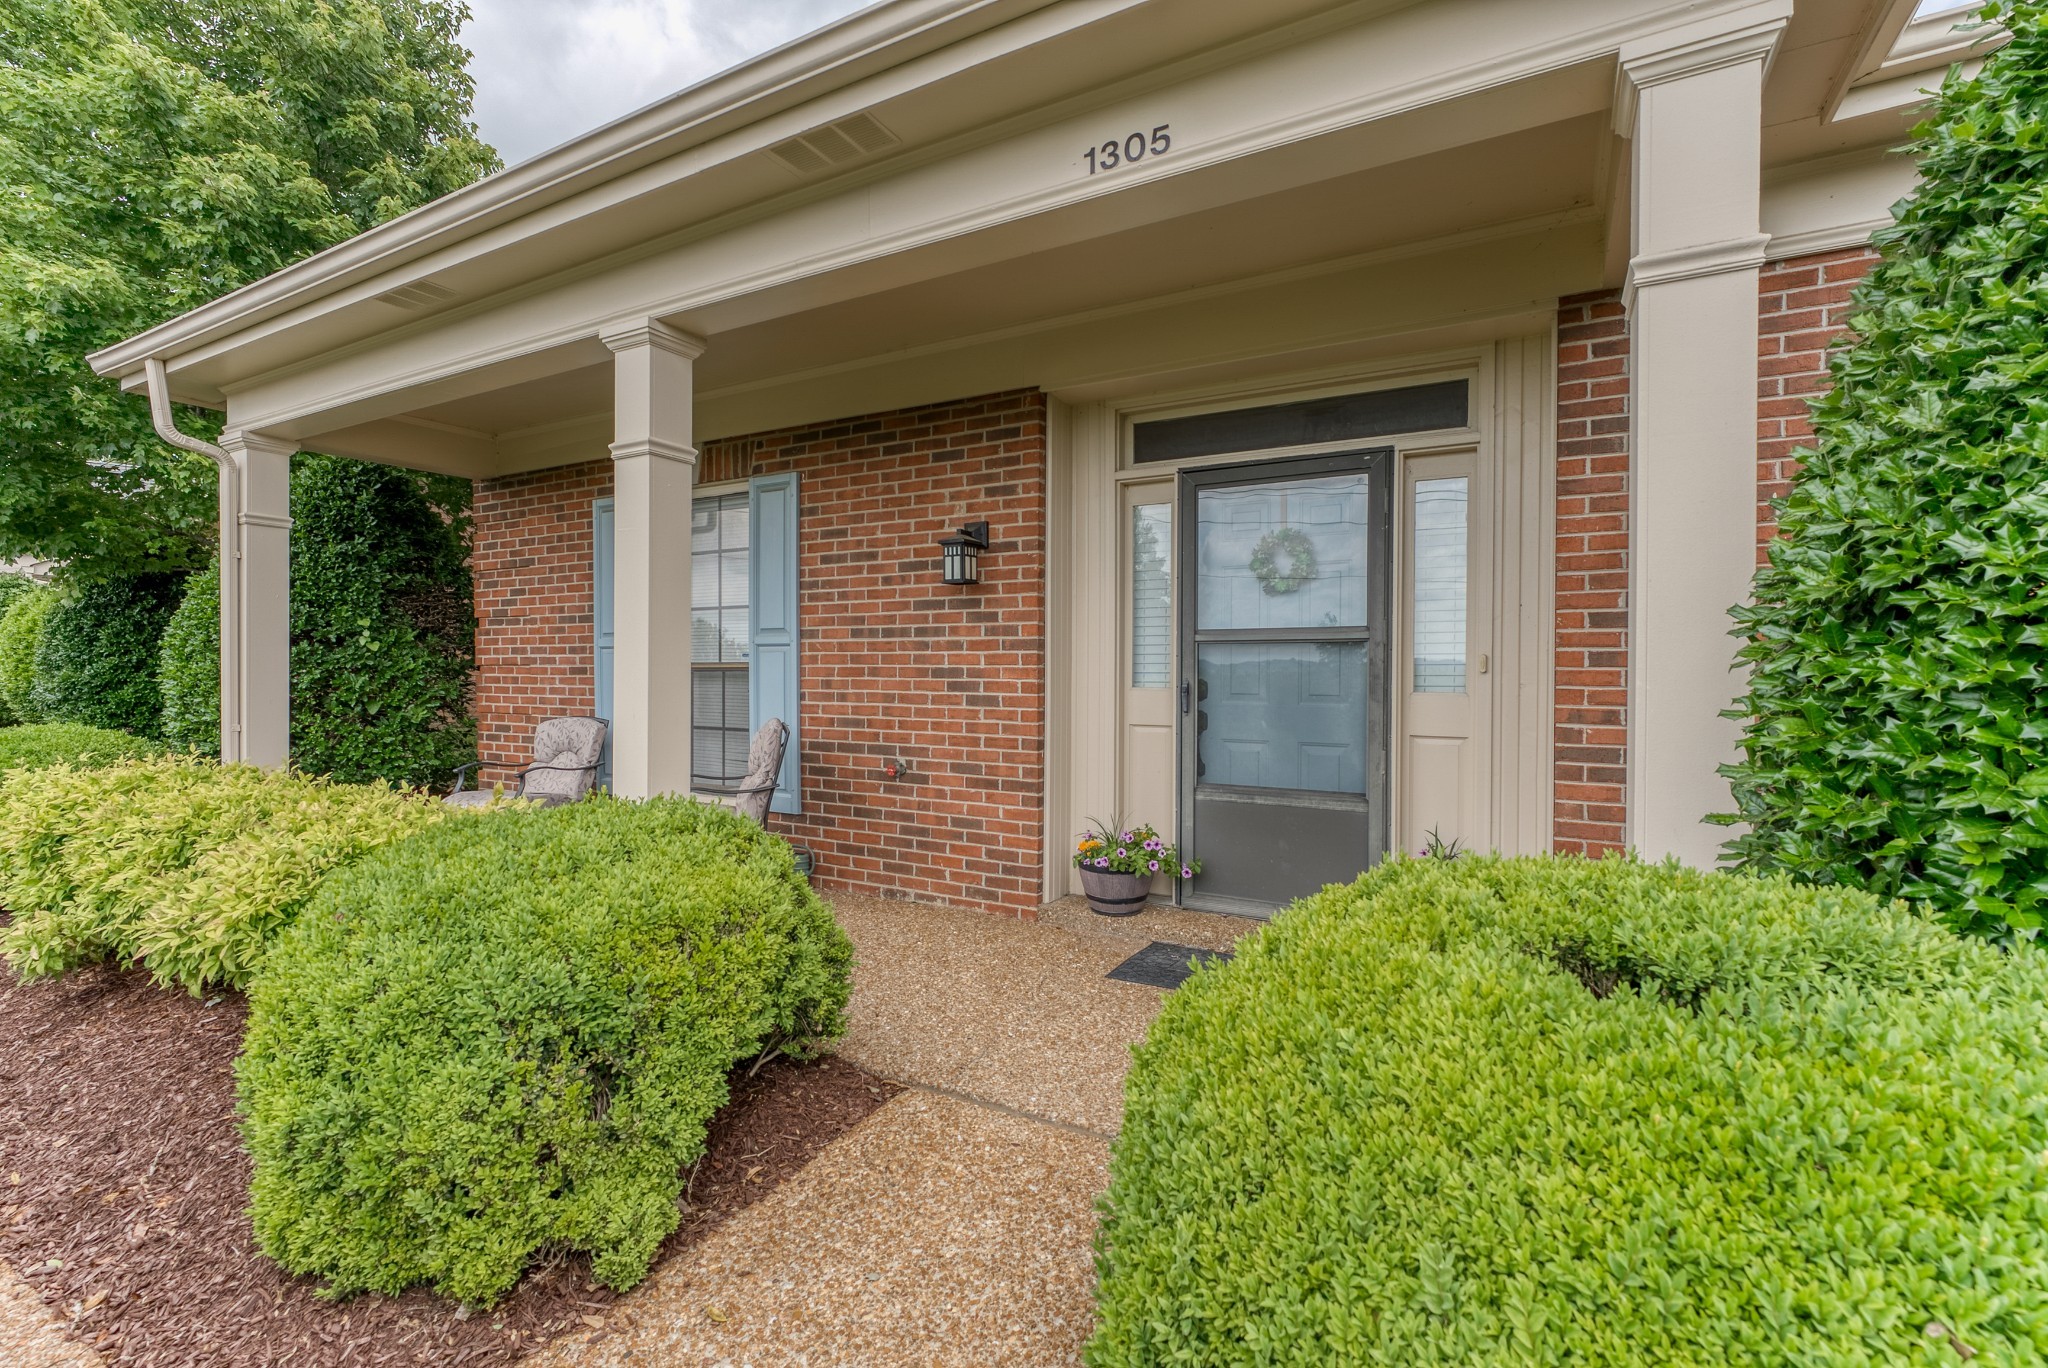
(124, 1186)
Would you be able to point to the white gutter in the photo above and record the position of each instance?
(230, 554)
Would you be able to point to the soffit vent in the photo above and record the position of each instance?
(834, 144)
(420, 294)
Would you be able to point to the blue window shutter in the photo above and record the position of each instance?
(601, 622)
(771, 621)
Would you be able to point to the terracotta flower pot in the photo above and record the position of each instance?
(1115, 895)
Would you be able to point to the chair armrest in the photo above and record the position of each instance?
(462, 773)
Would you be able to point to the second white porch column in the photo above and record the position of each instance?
(1692, 101)
(654, 465)
(255, 602)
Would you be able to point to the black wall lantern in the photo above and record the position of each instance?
(962, 554)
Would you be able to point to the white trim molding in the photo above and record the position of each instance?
(650, 332)
(1693, 50)
(1689, 263)
(657, 447)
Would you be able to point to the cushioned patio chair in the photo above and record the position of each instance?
(566, 754)
(764, 766)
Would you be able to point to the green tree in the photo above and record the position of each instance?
(155, 154)
(383, 633)
(1898, 641)
(13, 588)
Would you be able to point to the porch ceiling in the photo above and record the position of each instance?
(1547, 174)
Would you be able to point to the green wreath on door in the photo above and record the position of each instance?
(1301, 561)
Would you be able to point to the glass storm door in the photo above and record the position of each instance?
(1283, 698)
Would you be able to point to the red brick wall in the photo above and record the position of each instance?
(894, 664)
(1802, 309)
(1591, 684)
(530, 552)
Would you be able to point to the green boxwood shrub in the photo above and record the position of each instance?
(188, 667)
(185, 866)
(487, 1041)
(383, 629)
(96, 660)
(1898, 642)
(66, 743)
(21, 633)
(1553, 1111)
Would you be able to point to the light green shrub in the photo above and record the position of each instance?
(13, 588)
(1406, 1127)
(185, 866)
(491, 1040)
(68, 743)
(21, 633)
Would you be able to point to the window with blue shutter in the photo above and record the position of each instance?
(743, 632)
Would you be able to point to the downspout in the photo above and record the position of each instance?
(230, 554)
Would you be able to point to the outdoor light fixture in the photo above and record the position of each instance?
(962, 552)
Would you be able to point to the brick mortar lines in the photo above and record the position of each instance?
(894, 664)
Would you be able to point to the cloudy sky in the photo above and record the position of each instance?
(547, 70)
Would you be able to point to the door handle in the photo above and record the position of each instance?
(1187, 696)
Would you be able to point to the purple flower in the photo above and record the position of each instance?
(1153, 865)
(1186, 873)
(1152, 844)
(1127, 838)
(1102, 862)
(1121, 852)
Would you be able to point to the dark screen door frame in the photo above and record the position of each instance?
(1378, 466)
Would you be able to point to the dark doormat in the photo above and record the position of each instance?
(1162, 964)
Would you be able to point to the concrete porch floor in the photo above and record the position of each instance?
(954, 1225)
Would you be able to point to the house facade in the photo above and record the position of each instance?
(1373, 409)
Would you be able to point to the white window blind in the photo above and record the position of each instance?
(1152, 596)
(1440, 575)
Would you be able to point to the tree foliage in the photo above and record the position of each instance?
(13, 588)
(155, 154)
(1898, 641)
(383, 633)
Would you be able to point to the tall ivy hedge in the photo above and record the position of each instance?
(1898, 639)
(96, 660)
(383, 636)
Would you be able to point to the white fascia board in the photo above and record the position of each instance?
(1833, 202)
(843, 52)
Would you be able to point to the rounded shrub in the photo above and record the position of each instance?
(66, 743)
(188, 667)
(1553, 1111)
(21, 632)
(185, 866)
(97, 657)
(486, 1041)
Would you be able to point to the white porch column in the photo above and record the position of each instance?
(255, 601)
(654, 466)
(1692, 101)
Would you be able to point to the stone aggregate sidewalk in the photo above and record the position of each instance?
(954, 1226)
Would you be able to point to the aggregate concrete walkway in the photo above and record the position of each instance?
(954, 1225)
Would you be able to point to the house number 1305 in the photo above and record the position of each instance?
(1130, 150)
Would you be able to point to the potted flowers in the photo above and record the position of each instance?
(1117, 866)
